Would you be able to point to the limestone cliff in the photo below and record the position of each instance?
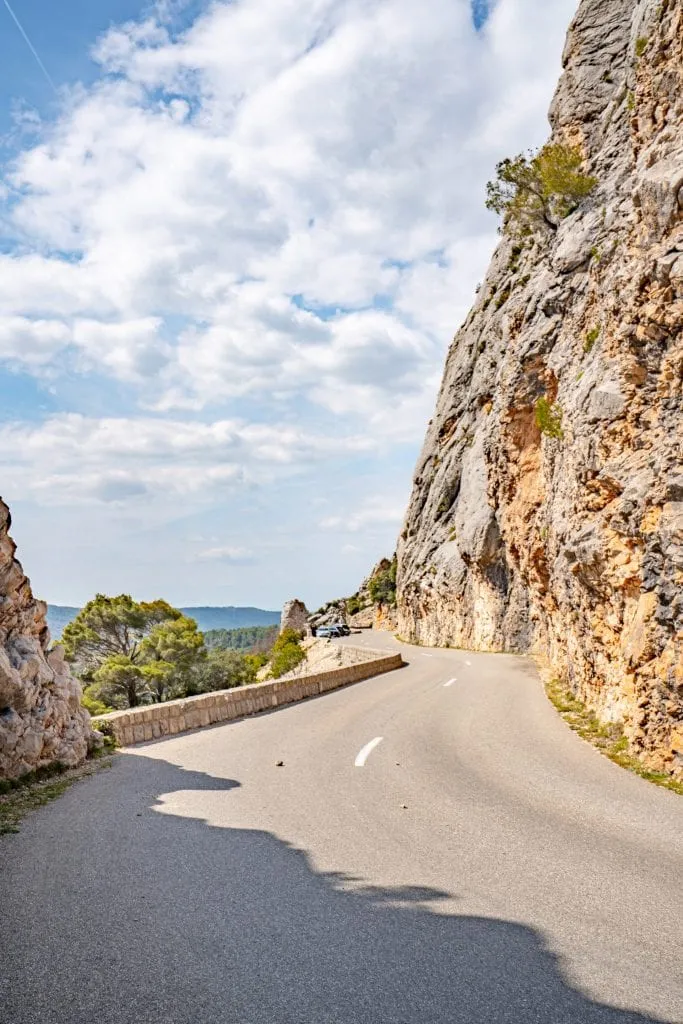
(571, 546)
(41, 718)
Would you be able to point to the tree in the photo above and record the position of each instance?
(120, 683)
(243, 638)
(540, 188)
(169, 653)
(221, 670)
(287, 653)
(112, 626)
(132, 652)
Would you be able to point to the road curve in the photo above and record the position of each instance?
(483, 865)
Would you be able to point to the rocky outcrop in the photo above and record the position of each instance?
(563, 534)
(371, 607)
(329, 614)
(41, 718)
(294, 616)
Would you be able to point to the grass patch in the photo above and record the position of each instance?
(19, 796)
(609, 739)
(590, 339)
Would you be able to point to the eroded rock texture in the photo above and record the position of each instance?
(294, 616)
(572, 547)
(41, 718)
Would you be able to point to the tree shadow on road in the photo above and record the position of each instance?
(142, 917)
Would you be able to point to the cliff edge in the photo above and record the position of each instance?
(41, 718)
(565, 538)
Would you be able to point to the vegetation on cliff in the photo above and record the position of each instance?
(382, 584)
(547, 507)
(539, 188)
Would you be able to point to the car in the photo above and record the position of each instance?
(328, 632)
(342, 627)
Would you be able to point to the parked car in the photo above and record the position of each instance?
(342, 627)
(328, 631)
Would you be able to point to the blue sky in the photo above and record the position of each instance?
(235, 243)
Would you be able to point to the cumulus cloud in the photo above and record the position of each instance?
(264, 225)
(289, 187)
(74, 459)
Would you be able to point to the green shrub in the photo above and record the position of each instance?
(590, 339)
(221, 669)
(93, 704)
(382, 586)
(287, 653)
(540, 188)
(549, 418)
(641, 46)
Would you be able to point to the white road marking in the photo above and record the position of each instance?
(364, 754)
(450, 682)
(426, 655)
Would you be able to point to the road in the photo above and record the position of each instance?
(477, 863)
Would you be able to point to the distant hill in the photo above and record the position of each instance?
(231, 618)
(244, 638)
(206, 617)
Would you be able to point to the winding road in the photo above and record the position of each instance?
(437, 848)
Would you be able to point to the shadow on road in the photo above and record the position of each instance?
(142, 917)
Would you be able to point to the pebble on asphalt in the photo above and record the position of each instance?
(279, 764)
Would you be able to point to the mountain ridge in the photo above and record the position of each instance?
(206, 616)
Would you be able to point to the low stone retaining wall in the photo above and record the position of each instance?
(156, 720)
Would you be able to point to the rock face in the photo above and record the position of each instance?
(330, 614)
(571, 546)
(41, 718)
(294, 616)
(359, 611)
(374, 614)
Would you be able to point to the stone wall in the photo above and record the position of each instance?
(41, 718)
(569, 543)
(157, 720)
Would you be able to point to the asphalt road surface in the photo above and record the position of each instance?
(438, 848)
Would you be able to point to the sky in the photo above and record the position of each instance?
(236, 239)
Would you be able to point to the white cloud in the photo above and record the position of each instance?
(31, 343)
(265, 229)
(275, 149)
(231, 555)
(374, 512)
(76, 459)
